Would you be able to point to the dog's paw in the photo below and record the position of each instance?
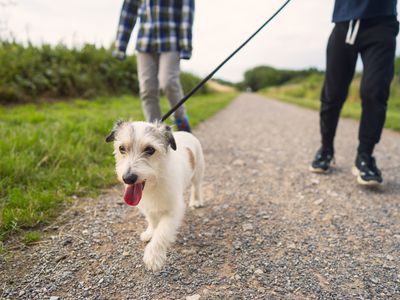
(195, 204)
(153, 260)
(146, 236)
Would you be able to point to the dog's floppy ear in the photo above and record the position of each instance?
(170, 137)
(111, 136)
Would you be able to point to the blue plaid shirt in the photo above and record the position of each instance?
(165, 26)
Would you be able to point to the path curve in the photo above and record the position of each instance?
(270, 229)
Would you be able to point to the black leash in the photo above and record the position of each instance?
(201, 83)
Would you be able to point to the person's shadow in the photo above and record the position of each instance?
(389, 186)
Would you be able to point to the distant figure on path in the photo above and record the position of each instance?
(165, 36)
(368, 28)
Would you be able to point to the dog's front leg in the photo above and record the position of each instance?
(151, 224)
(164, 235)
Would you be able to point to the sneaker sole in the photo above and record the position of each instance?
(361, 181)
(319, 171)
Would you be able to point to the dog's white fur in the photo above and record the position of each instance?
(166, 174)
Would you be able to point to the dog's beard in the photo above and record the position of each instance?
(134, 192)
(147, 172)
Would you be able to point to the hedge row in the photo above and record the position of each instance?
(30, 73)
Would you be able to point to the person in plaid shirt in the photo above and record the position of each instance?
(164, 37)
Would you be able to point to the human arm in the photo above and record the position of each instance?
(127, 20)
(185, 29)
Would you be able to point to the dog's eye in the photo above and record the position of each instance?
(149, 150)
(122, 149)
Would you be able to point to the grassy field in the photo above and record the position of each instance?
(305, 92)
(54, 152)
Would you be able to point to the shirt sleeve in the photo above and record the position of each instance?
(185, 29)
(127, 20)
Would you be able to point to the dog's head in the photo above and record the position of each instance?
(140, 150)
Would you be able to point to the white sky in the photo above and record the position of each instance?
(295, 39)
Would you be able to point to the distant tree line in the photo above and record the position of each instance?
(265, 76)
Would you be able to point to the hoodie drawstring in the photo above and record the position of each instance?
(352, 32)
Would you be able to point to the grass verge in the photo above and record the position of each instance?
(31, 237)
(305, 92)
(53, 152)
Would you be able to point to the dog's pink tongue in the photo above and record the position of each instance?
(133, 194)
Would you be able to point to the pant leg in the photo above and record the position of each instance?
(378, 55)
(341, 60)
(148, 65)
(170, 82)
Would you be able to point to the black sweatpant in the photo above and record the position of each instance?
(376, 43)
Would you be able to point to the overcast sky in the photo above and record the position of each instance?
(295, 39)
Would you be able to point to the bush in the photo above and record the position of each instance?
(189, 81)
(29, 73)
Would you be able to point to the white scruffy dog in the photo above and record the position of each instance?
(156, 166)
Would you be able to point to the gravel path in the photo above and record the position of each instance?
(269, 230)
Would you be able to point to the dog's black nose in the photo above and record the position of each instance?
(129, 178)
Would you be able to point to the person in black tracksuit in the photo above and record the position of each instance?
(368, 28)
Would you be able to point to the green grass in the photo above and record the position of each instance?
(305, 92)
(54, 151)
(31, 237)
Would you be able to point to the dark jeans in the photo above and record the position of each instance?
(376, 43)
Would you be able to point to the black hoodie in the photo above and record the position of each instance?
(346, 10)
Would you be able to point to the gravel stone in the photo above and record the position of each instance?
(238, 162)
(318, 202)
(194, 297)
(247, 227)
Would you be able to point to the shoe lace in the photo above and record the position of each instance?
(369, 163)
(324, 154)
